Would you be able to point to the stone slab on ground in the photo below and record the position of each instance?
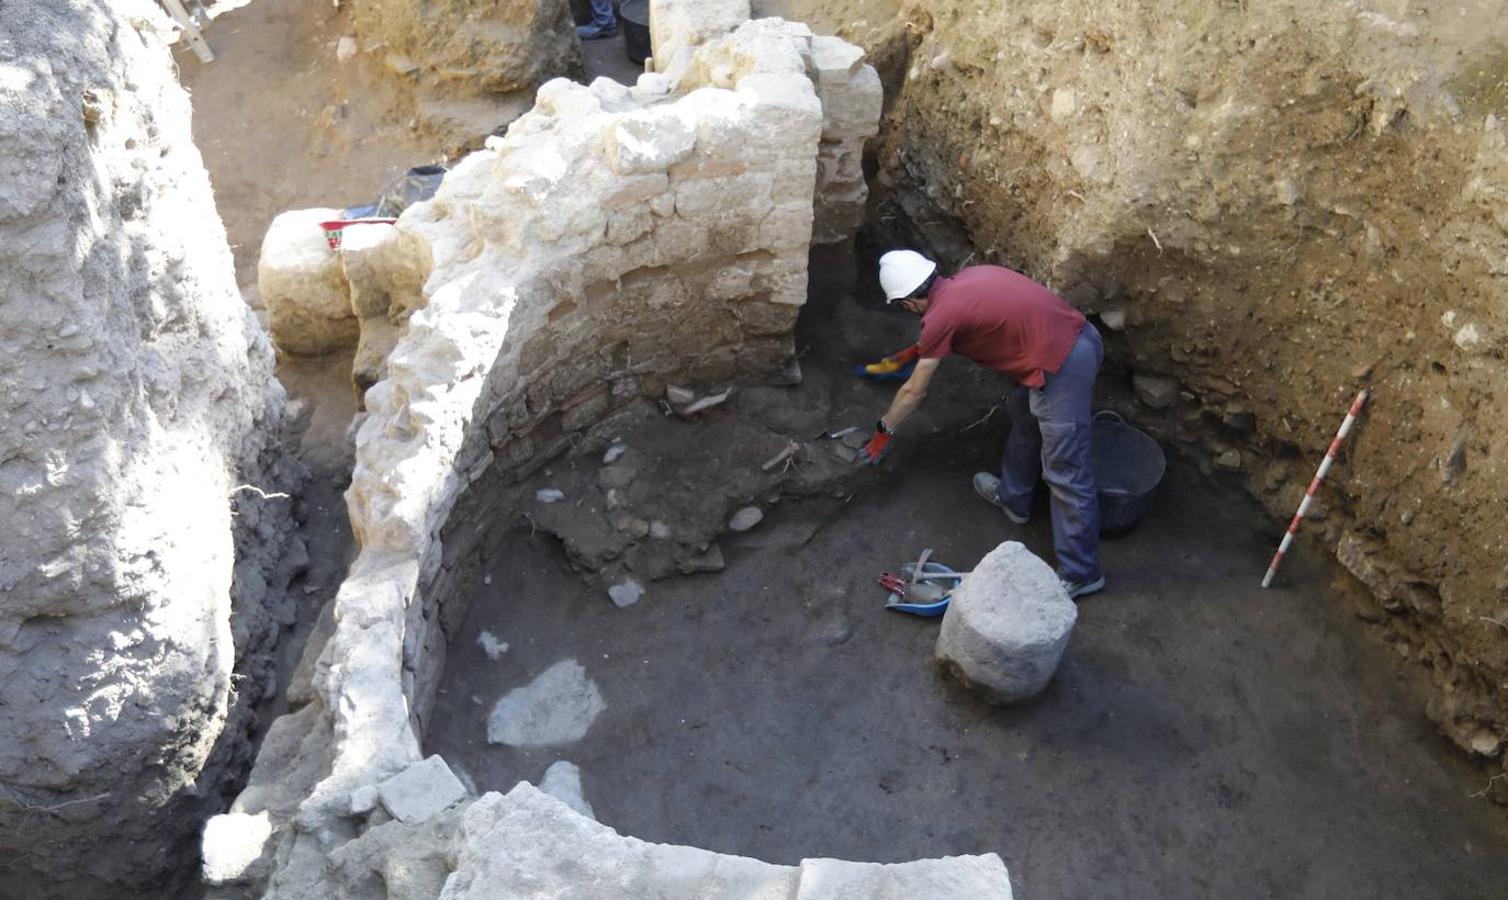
(557, 707)
(1007, 625)
(553, 851)
(421, 790)
(949, 878)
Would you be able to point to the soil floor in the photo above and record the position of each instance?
(1203, 737)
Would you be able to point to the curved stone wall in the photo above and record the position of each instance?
(614, 242)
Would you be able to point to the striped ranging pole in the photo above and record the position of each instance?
(1324, 469)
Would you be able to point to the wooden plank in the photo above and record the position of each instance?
(190, 30)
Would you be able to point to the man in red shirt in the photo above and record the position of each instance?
(1005, 321)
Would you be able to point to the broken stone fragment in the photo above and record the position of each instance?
(1007, 625)
(557, 707)
(625, 593)
(1229, 461)
(709, 560)
(562, 781)
(1114, 319)
(1155, 391)
(420, 791)
(364, 799)
(549, 495)
(746, 518)
(616, 476)
(232, 848)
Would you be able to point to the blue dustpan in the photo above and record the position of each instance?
(935, 608)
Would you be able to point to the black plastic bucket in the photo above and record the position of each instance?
(633, 15)
(1128, 466)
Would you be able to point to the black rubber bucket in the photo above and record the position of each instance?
(1128, 466)
(633, 15)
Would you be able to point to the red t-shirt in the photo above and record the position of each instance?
(1002, 320)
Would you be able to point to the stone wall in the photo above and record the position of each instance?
(615, 242)
(1272, 204)
(142, 566)
(692, 48)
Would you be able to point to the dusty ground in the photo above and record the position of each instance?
(282, 124)
(1203, 737)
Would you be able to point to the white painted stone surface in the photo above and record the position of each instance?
(1006, 628)
(420, 791)
(557, 707)
(562, 780)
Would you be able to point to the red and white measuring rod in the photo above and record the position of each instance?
(1324, 469)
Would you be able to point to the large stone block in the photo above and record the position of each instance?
(949, 878)
(303, 286)
(1007, 626)
(420, 791)
(554, 851)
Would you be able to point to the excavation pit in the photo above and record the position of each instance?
(774, 709)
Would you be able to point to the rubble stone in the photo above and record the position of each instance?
(557, 707)
(232, 847)
(562, 780)
(1007, 625)
(420, 791)
(1156, 391)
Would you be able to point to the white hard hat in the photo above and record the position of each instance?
(902, 272)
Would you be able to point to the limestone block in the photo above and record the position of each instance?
(948, 878)
(852, 108)
(303, 285)
(677, 25)
(1007, 626)
(834, 60)
(553, 851)
(648, 141)
(233, 846)
(421, 790)
(378, 338)
(385, 268)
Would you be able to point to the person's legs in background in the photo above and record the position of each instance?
(604, 23)
(1021, 462)
(1064, 413)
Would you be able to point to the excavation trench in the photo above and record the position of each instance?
(774, 709)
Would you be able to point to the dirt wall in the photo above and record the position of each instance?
(139, 579)
(1274, 204)
(475, 45)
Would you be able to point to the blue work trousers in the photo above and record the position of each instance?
(1050, 440)
(602, 13)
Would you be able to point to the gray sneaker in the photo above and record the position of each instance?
(1077, 589)
(987, 486)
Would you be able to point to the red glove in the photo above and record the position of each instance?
(874, 451)
(909, 355)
